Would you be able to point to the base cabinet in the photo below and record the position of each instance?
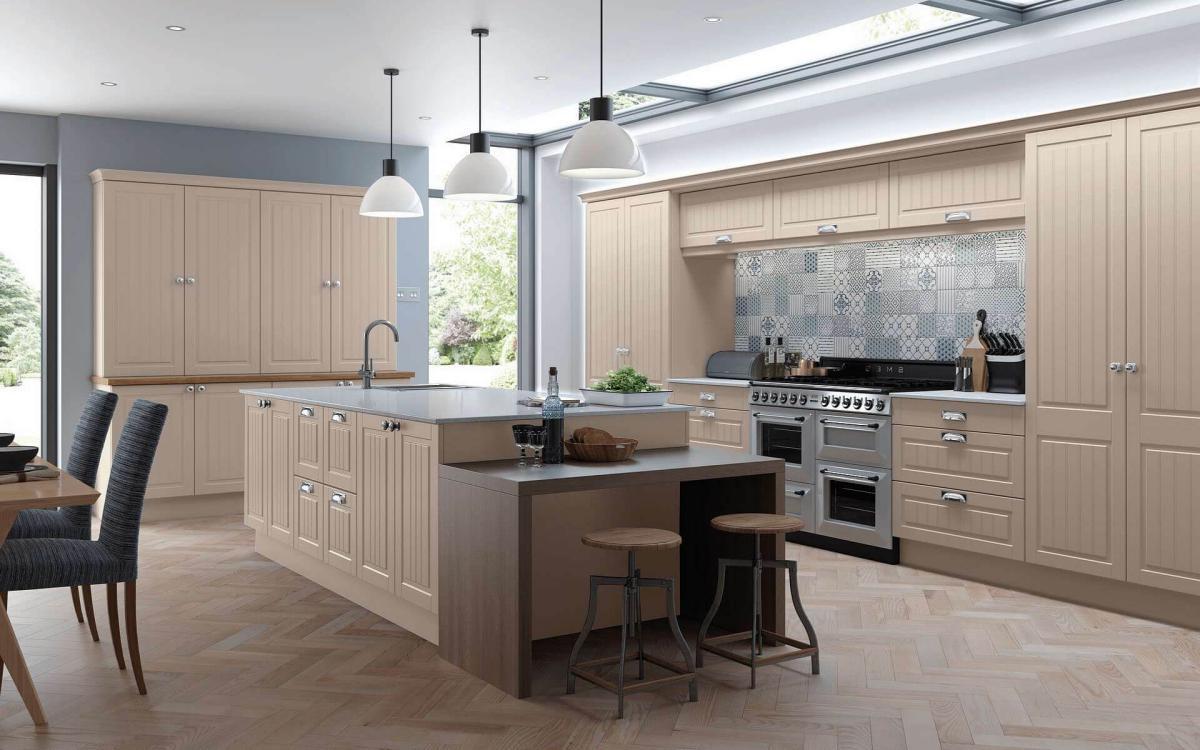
(377, 504)
(340, 545)
(310, 518)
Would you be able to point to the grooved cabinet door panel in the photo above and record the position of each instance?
(607, 245)
(988, 524)
(173, 472)
(852, 200)
(1164, 341)
(341, 449)
(220, 432)
(1076, 406)
(363, 270)
(310, 517)
(295, 271)
(647, 307)
(140, 269)
(222, 290)
(979, 461)
(725, 428)
(739, 213)
(281, 511)
(310, 442)
(258, 436)
(376, 505)
(341, 531)
(987, 183)
(418, 523)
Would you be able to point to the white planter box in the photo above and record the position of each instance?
(613, 398)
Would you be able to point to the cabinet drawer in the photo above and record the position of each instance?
(968, 461)
(837, 202)
(710, 396)
(739, 213)
(971, 521)
(980, 184)
(959, 415)
(340, 548)
(310, 516)
(309, 446)
(726, 428)
(341, 449)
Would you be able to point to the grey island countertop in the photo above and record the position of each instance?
(440, 405)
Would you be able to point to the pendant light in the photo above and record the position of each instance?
(479, 176)
(391, 196)
(601, 149)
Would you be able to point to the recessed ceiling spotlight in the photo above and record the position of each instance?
(424, 117)
(713, 19)
(108, 83)
(176, 28)
(541, 78)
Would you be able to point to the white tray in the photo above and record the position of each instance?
(614, 398)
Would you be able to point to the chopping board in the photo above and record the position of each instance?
(976, 350)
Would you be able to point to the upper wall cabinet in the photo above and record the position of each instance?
(981, 184)
(739, 213)
(296, 286)
(844, 200)
(363, 270)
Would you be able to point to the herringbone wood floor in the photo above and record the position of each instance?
(240, 653)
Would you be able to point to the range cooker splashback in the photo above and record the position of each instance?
(909, 299)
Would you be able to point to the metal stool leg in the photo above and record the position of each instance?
(621, 661)
(589, 621)
(637, 608)
(712, 611)
(755, 625)
(673, 621)
(808, 628)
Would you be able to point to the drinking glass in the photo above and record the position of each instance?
(521, 439)
(537, 441)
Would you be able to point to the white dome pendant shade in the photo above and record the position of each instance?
(601, 149)
(479, 176)
(391, 197)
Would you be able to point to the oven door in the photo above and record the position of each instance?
(801, 501)
(854, 504)
(865, 440)
(786, 434)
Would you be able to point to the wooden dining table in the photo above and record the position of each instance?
(14, 498)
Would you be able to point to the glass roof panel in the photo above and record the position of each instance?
(859, 35)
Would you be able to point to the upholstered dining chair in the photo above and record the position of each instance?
(75, 522)
(111, 559)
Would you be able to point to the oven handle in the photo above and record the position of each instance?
(761, 415)
(799, 493)
(860, 425)
(846, 475)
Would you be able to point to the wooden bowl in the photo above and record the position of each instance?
(620, 449)
(14, 457)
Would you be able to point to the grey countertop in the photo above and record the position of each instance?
(659, 465)
(978, 397)
(731, 382)
(439, 406)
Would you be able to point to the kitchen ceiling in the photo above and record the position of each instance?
(313, 67)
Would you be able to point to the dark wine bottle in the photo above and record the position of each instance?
(552, 420)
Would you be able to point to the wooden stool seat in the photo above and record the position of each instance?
(631, 539)
(758, 523)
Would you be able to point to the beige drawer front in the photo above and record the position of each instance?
(720, 216)
(310, 442)
(341, 449)
(966, 461)
(970, 521)
(726, 428)
(710, 396)
(981, 184)
(959, 415)
(827, 203)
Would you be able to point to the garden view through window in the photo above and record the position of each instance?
(21, 308)
(472, 281)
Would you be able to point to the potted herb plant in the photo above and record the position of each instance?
(625, 387)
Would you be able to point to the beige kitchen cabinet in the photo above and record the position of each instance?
(310, 517)
(340, 550)
(281, 510)
(417, 519)
(970, 461)
(722, 428)
(1163, 402)
(219, 435)
(221, 281)
(726, 215)
(969, 521)
(296, 284)
(340, 468)
(363, 271)
(173, 472)
(979, 184)
(607, 290)
(376, 522)
(829, 203)
(258, 449)
(1076, 405)
(140, 278)
(310, 441)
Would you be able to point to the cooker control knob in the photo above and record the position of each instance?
(754, 396)
(837, 400)
(869, 403)
(803, 399)
(879, 405)
(792, 399)
(824, 401)
(774, 397)
(857, 402)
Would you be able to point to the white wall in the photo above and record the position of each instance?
(927, 94)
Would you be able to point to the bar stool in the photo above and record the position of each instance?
(631, 540)
(757, 524)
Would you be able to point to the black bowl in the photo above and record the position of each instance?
(6, 438)
(14, 457)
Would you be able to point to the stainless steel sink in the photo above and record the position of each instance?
(419, 387)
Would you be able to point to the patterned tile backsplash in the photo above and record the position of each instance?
(891, 299)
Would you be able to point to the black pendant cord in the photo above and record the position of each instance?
(601, 47)
(480, 37)
(391, 115)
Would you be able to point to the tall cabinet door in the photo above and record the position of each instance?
(417, 522)
(222, 280)
(376, 504)
(220, 432)
(173, 472)
(607, 290)
(1164, 342)
(281, 511)
(258, 435)
(363, 269)
(139, 305)
(1075, 490)
(646, 311)
(296, 284)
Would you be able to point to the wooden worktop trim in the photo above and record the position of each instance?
(992, 134)
(196, 180)
(299, 377)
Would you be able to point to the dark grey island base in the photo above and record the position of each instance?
(486, 544)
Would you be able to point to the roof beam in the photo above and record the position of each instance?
(993, 10)
(667, 91)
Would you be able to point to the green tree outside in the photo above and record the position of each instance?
(20, 321)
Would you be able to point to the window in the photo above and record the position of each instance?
(473, 281)
(561, 117)
(21, 383)
(852, 37)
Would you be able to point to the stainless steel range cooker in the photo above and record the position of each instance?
(834, 433)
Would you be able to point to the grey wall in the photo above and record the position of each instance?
(28, 139)
(87, 143)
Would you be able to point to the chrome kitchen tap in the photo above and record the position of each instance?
(367, 371)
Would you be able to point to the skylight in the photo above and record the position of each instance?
(561, 117)
(852, 37)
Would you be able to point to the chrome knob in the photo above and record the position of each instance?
(837, 401)
(190, 280)
(869, 403)
(200, 388)
(1131, 367)
(879, 405)
(266, 402)
(824, 401)
(754, 396)
(1114, 366)
(385, 424)
(792, 398)
(190, 388)
(179, 280)
(858, 403)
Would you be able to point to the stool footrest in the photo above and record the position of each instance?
(581, 671)
(714, 646)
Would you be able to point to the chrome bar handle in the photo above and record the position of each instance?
(859, 425)
(847, 475)
(799, 493)
(953, 217)
(953, 497)
(953, 437)
(338, 417)
(827, 229)
(954, 416)
(306, 411)
(724, 239)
